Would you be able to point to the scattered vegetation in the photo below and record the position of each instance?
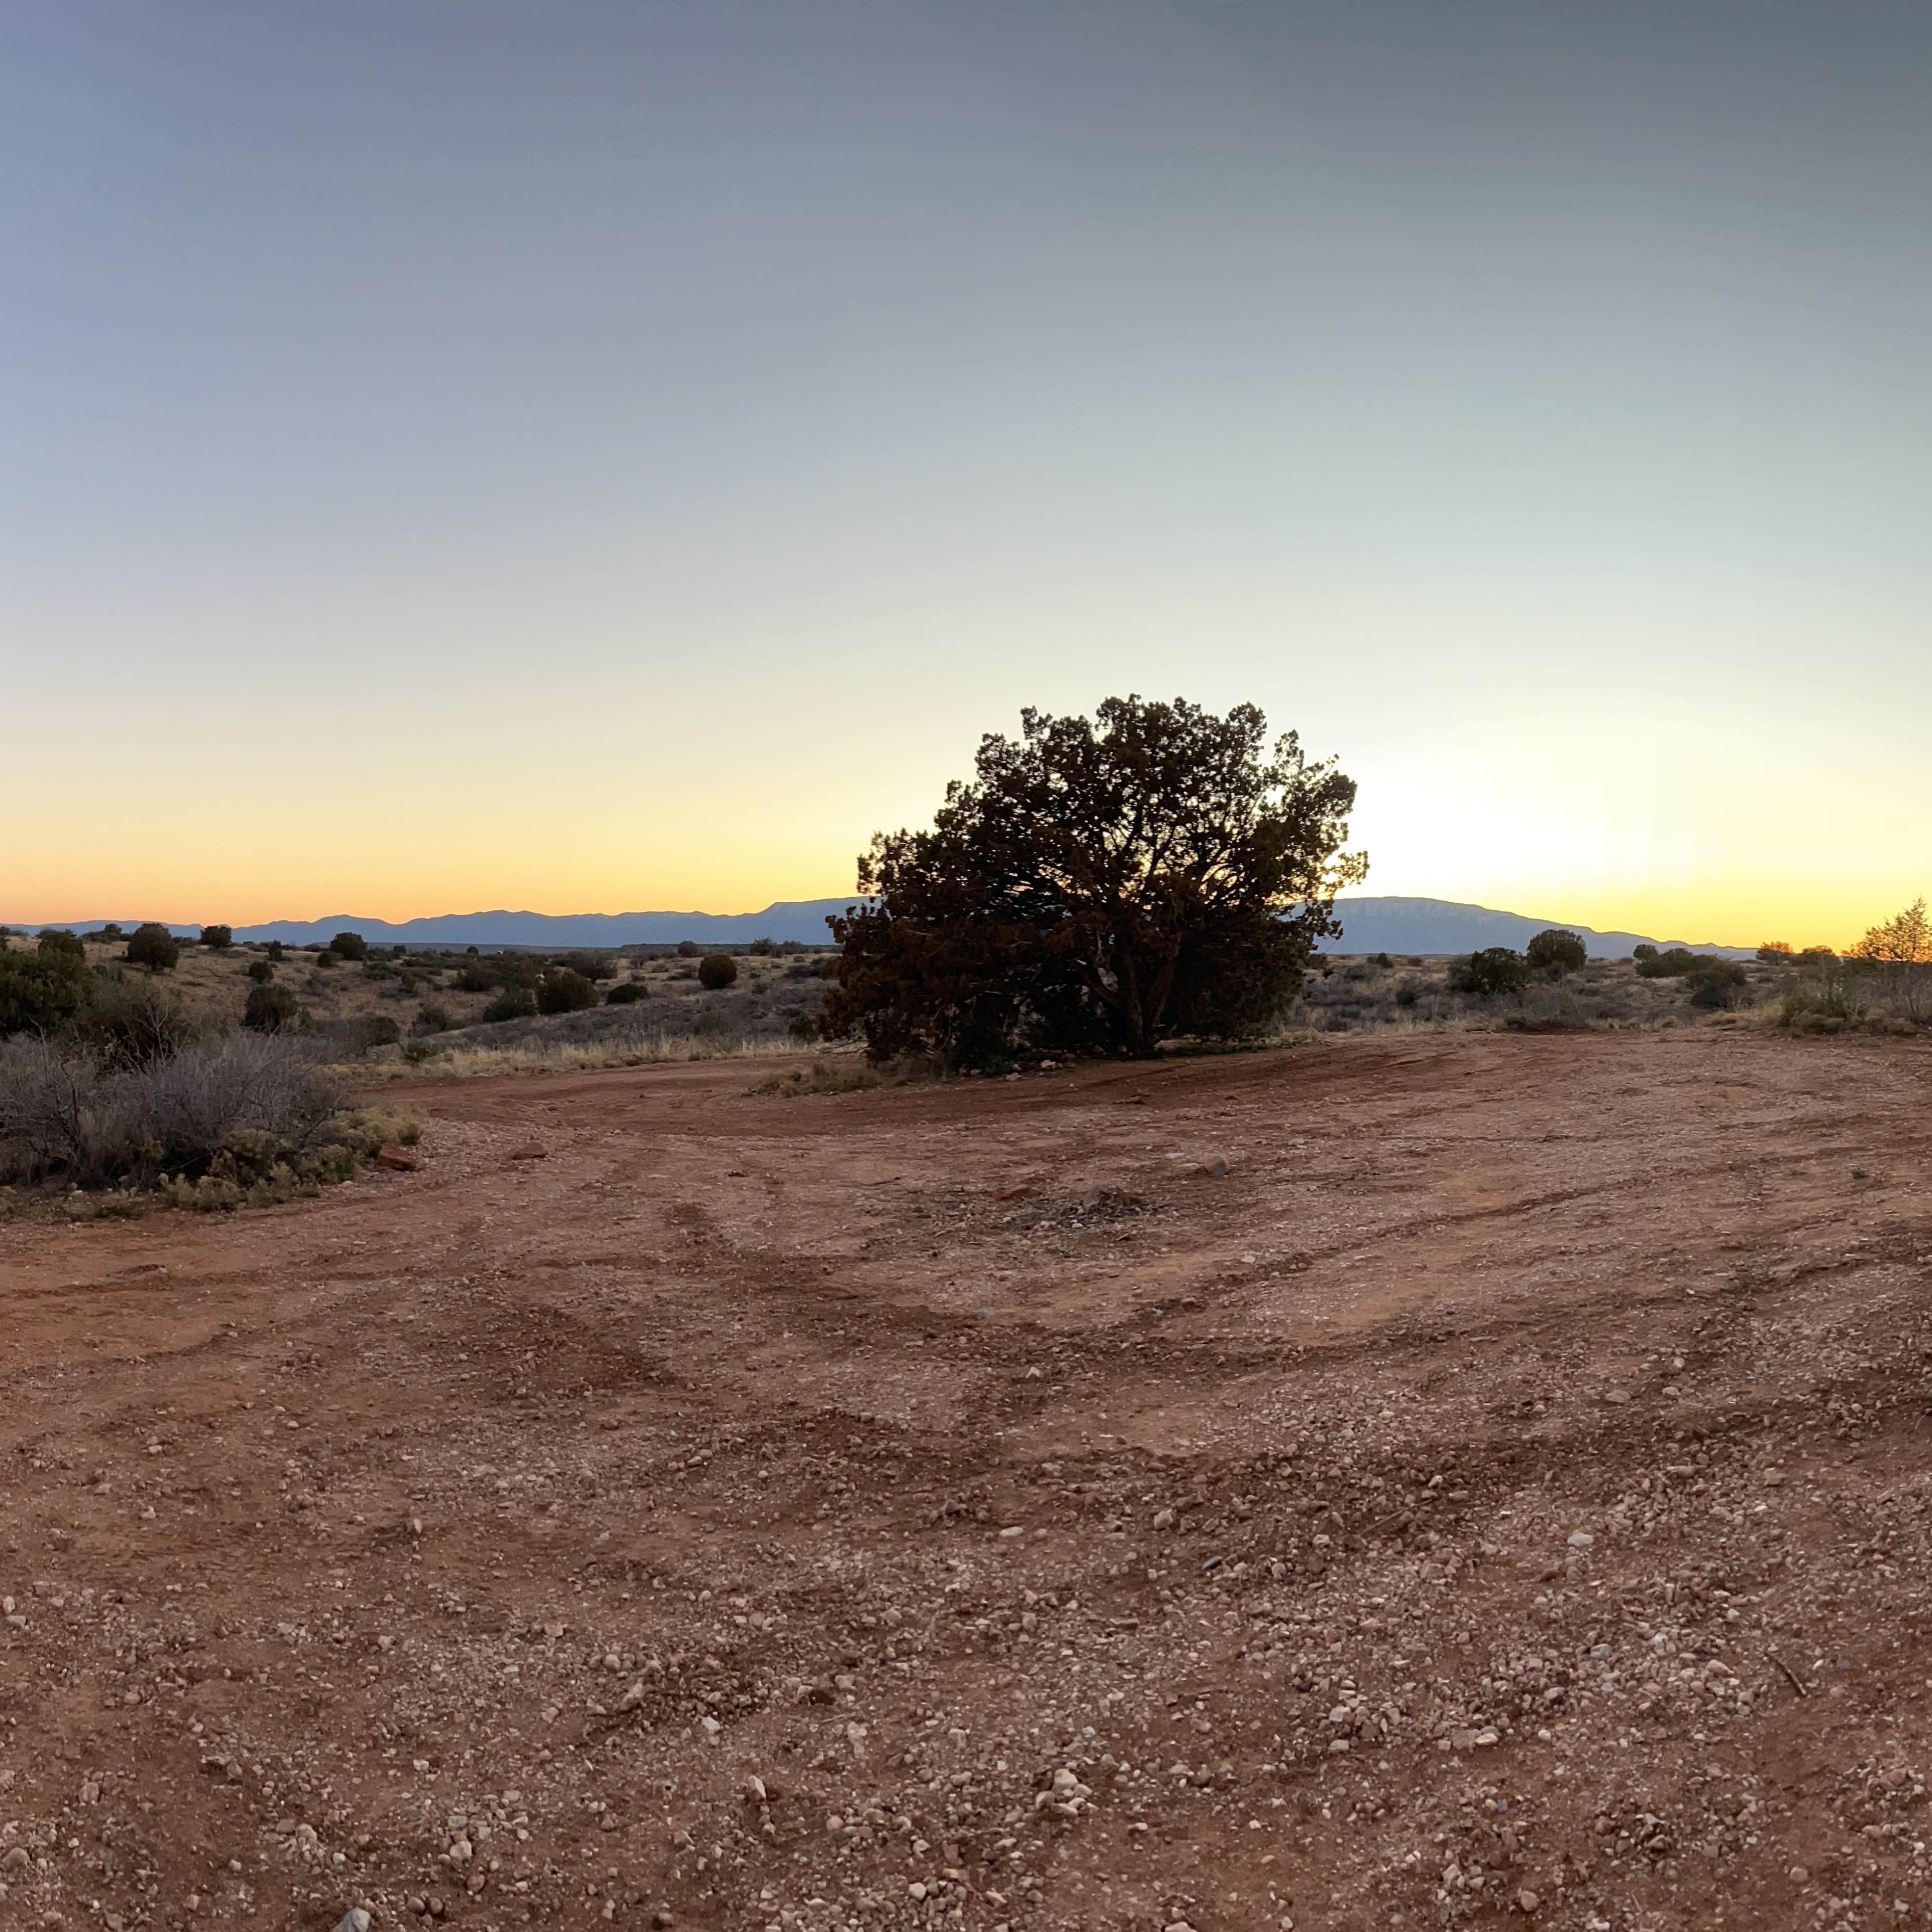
(717, 971)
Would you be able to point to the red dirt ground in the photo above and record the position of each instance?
(1500, 1496)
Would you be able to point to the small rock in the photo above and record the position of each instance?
(1581, 1539)
(1527, 1900)
(397, 1160)
(354, 1920)
(530, 1150)
(1798, 1874)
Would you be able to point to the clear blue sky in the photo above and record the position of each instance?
(593, 456)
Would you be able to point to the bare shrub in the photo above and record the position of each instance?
(75, 1114)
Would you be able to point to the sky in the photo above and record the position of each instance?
(614, 455)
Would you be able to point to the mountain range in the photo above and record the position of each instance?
(1370, 924)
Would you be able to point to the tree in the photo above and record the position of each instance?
(349, 946)
(1901, 950)
(1103, 883)
(1555, 953)
(717, 972)
(1906, 941)
(218, 937)
(1495, 970)
(1774, 953)
(153, 946)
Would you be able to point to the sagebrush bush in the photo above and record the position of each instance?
(68, 1112)
(716, 971)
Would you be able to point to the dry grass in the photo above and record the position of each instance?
(563, 1056)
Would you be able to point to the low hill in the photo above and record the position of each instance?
(1370, 924)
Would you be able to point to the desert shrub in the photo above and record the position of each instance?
(271, 1008)
(218, 937)
(687, 949)
(349, 946)
(627, 994)
(1406, 995)
(599, 967)
(1642, 953)
(109, 934)
(1555, 953)
(362, 1032)
(562, 990)
(1110, 882)
(1495, 970)
(42, 991)
(325, 960)
(1717, 985)
(56, 945)
(716, 971)
(804, 1026)
(1675, 964)
(764, 948)
(432, 1019)
(276, 949)
(155, 947)
(1382, 960)
(513, 1002)
(1774, 953)
(65, 1111)
(261, 971)
(473, 977)
(133, 1022)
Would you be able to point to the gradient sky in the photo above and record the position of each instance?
(590, 456)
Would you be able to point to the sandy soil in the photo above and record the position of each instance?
(1500, 1496)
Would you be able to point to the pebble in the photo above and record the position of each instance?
(354, 1920)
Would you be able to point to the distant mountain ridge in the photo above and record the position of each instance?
(1369, 925)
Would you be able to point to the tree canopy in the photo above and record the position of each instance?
(1101, 883)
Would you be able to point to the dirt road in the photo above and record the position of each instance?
(1499, 1495)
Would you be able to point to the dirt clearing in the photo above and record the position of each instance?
(1498, 1494)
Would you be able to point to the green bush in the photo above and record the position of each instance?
(324, 960)
(218, 937)
(271, 1008)
(473, 977)
(1677, 963)
(804, 1026)
(1495, 970)
(717, 971)
(54, 944)
(1643, 952)
(261, 971)
(349, 946)
(513, 1002)
(1555, 953)
(561, 990)
(687, 949)
(628, 994)
(432, 1019)
(41, 991)
(155, 947)
(764, 948)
